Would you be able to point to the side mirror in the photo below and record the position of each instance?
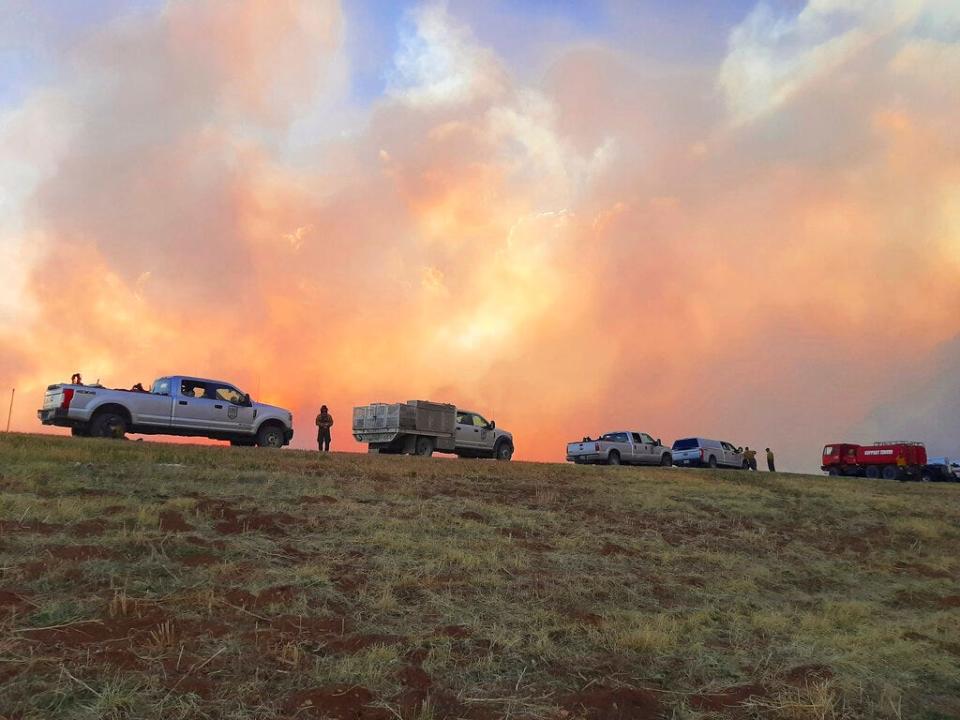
(659, 441)
(246, 400)
(492, 425)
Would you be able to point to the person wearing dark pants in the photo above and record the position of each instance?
(324, 423)
(771, 466)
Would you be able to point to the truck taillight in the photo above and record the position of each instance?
(596, 447)
(701, 453)
(67, 397)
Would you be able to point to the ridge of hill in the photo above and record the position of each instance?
(156, 580)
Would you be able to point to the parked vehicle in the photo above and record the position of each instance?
(941, 469)
(891, 460)
(624, 447)
(703, 452)
(421, 427)
(174, 405)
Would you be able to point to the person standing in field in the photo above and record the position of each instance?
(751, 457)
(324, 423)
(771, 465)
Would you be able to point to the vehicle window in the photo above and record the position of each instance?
(636, 437)
(464, 419)
(228, 393)
(646, 438)
(686, 444)
(479, 421)
(161, 387)
(190, 388)
(615, 437)
(828, 450)
(728, 446)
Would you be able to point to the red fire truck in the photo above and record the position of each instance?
(891, 460)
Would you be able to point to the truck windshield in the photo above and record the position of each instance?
(828, 450)
(161, 386)
(686, 444)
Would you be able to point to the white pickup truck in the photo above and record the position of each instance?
(174, 405)
(620, 448)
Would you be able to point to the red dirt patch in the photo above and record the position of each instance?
(356, 643)
(337, 701)
(614, 549)
(730, 697)
(88, 528)
(34, 526)
(603, 703)
(172, 521)
(78, 552)
(414, 677)
(454, 631)
(96, 631)
(949, 601)
(268, 523)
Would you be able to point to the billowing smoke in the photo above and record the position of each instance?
(759, 247)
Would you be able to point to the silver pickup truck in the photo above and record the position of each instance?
(421, 427)
(620, 448)
(175, 405)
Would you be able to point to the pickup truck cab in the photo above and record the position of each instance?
(624, 447)
(703, 452)
(174, 405)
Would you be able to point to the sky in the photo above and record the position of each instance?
(734, 219)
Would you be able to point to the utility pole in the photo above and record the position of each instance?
(13, 391)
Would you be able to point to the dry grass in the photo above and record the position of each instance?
(157, 581)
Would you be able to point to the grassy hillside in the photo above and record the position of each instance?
(160, 581)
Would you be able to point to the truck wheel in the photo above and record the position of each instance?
(108, 425)
(746, 465)
(503, 451)
(873, 472)
(424, 446)
(666, 460)
(613, 458)
(890, 472)
(270, 436)
(712, 463)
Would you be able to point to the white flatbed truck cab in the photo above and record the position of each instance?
(174, 405)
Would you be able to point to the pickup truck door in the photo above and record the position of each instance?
(485, 436)
(650, 452)
(239, 414)
(639, 450)
(731, 457)
(467, 434)
(196, 407)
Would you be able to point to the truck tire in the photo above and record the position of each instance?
(424, 446)
(712, 462)
(503, 451)
(108, 424)
(746, 465)
(873, 472)
(666, 460)
(890, 472)
(270, 435)
(613, 458)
